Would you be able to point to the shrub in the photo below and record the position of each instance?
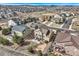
(25, 21)
(46, 41)
(17, 39)
(4, 41)
(0, 28)
(6, 31)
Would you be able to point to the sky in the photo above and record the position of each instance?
(39, 1)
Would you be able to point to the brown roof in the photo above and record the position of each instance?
(75, 40)
(64, 37)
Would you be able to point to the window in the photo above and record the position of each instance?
(48, 32)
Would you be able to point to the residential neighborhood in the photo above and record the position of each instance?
(28, 30)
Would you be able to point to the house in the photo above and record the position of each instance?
(38, 34)
(58, 19)
(17, 20)
(47, 17)
(44, 34)
(11, 23)
(23, 31)
(14, 22)
(19, 30)
(32, 25)
(68, 42)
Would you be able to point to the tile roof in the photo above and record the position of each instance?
(66, 38)
(62, 37)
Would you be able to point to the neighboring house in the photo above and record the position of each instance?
(4, 16)
(38, 34)
(47, 17)
(19, 30)
(58, 19)
(66, 14)
(43, 34)
(32, 25)
(67, 41)
(17, 20)
(14, 22)
(11, 23)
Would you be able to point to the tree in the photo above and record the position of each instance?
(6, 31)
(46, 41)
(4, 41)
(24, 21)
(36, 27)
(0, 28)
(32, 19)
(29, 19)
(17, 39)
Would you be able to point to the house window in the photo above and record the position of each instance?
(48, 32)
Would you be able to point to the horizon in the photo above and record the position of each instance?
(39, 4)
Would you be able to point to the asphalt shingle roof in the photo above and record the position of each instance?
(19, 28)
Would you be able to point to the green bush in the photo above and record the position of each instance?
(4, 41)
(17, 39)
(0, 28)
(6, 31)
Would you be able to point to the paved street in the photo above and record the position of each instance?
(47, 27)
(67, 23)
